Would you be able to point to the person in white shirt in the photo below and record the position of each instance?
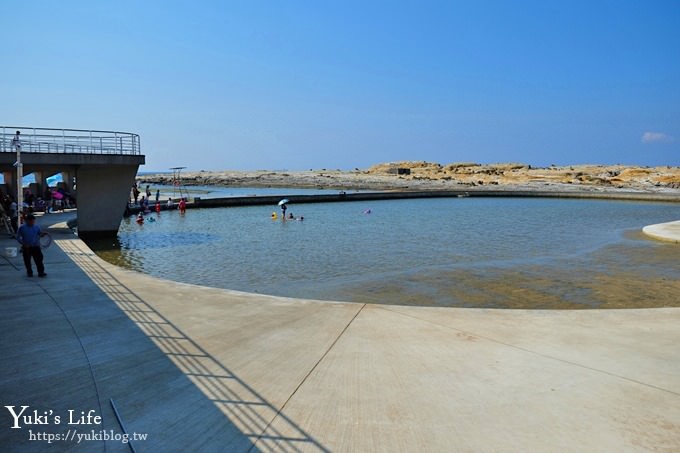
(16, 141)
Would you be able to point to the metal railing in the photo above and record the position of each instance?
(45, 140)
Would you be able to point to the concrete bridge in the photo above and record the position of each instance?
(97, 167)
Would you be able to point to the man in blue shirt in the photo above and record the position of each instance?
(29, 235)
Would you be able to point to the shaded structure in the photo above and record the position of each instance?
(97, 168)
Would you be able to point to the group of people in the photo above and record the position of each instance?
(289, 217)
(145, 200)
(9, 207)
(53, 200)
(284, 208)
(182, 206)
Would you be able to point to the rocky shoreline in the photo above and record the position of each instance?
(409, 175)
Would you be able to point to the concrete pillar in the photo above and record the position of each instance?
(103, 193)
(8, 186)
(12, 183)
(67, 177)
(34, 188)
(39, 183)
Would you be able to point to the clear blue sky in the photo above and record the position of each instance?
(344, 84)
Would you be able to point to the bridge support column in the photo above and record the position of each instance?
(39, 187)
(67, 178)
(8, 187)
(103, 192)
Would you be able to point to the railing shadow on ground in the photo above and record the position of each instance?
(240, 403)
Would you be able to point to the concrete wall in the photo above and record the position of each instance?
(400, 195)
(103, 192)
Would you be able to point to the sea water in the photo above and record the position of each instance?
(468, 252)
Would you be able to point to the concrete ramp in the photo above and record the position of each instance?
(669, 231)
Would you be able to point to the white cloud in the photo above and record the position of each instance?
(656, 137)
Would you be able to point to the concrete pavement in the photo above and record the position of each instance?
(669, 231)
(206, 369)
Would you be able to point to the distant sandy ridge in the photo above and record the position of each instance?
(419, 175)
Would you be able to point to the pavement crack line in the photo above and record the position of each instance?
(304, 379)
(82, 346)
(597, 370)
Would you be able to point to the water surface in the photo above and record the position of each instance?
(469, 252)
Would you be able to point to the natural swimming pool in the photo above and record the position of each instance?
(467, 252)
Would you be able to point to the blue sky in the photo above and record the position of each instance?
(344, 84)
